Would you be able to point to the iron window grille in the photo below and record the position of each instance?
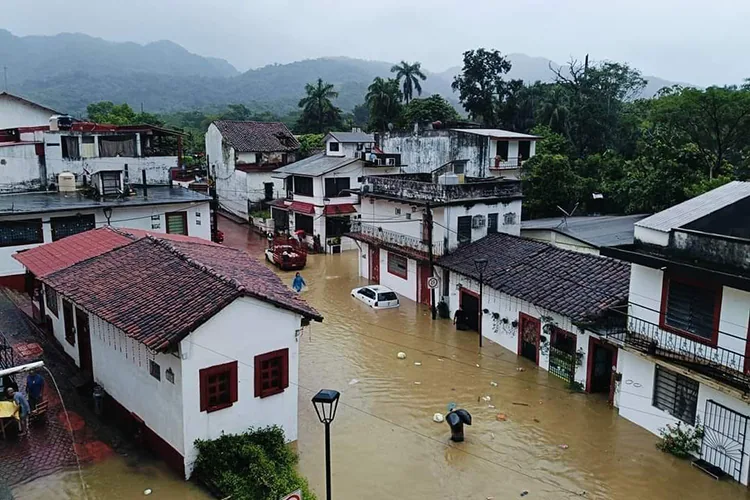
(675, 394)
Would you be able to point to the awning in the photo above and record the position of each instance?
(342, 209)
(301, 207)
(279, 203)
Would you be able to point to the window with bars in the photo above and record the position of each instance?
(218, 386)
(303, 186)
(177, 223)
(271, 373)
(21, 232)
(464, 230)
(50, 296)
(398, 265)
(691, 309)
(68, 226)
(154, 369)
(675, 394)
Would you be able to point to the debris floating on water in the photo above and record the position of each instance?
(354, 381)
(493, 384)
(502, 417)
(524, 493)
(451, 406)
(490, 406)
(417, 363)
(564, 446)
(520, 404)
(417, 383)
(477, 365)
(520, 369)
(401, 355)
(486, 398)
(147, 491)
(437, 418)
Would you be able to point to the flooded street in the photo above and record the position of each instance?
(384, 442)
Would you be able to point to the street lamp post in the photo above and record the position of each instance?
(325, 402)
(481, 266)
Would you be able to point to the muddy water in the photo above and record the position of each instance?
(384, 443)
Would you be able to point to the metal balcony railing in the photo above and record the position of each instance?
(380, 159)
(412, 189)
(395, 238)
(513, 162)
(722, 364)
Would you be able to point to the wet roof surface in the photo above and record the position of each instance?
(598, 231)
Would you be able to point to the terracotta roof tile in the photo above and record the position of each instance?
(577, 285)
(260, 137)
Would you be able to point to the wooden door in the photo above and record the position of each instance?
(529, 335)
(84, 341)
(374, 264)
(423, 289)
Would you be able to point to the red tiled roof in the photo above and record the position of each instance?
(158, 291)
(302, 207)
(279, 203)
(46, 259)
(342, 209)
(257, 137)
(142, 233)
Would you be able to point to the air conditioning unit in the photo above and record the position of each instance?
(391, 162)
(477, 221)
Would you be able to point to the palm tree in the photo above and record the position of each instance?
(411, 73)
(318, 112)
(384, 100)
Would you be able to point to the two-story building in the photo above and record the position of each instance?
(684, 344)
(188, 339)
(322, 191)
(406, 220)
(243, 156)
(487, 152)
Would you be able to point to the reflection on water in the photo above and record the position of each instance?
(607, 457)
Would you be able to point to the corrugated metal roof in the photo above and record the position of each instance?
(352, 136)
(597, 231)
(497, 133)
(314, 165)
(695, 208)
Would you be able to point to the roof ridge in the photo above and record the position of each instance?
(167, 245)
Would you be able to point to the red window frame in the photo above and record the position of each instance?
(405, 275)
(228, 369)
(272, 367)
(714, 340)
(747, 349)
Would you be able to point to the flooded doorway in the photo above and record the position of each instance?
(469, 302)
(84, 342)
(374, 264)
(530, 332)
(602, 358)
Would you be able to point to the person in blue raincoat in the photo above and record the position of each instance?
(298, 283)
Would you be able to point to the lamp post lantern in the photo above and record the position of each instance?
(481, 266)
(326, 401)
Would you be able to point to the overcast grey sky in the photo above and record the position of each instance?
(682, 40)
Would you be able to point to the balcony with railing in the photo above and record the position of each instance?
(373, 159)
(724, 365)
(512, 163)
(376, 234)
(419, 187)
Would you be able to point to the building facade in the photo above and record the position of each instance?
(486, 152)
(202, 376)
(405, 218)
(684, 344)
(17, 112)
(243, 156)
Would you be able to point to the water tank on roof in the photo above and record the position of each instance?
(60, 122)
(448, 179)
(66, 182)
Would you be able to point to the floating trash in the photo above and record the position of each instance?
(147, 491)
(401, 355)
(501, 417)
(438, 418)
(354, 381)
(493, 384)
(417, 383)
(417, 363)
(486, 398)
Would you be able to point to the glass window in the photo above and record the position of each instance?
(271, 373)
(68, 226)
(692, 308)
(333, 146)
(398, 265)
(303, 185)
(675, 394)
(218, 386)
(50, 296)
(335, 187)
(387, 296)
(154, 369)
(177, 223)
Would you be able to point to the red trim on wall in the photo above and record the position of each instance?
(593, 341)
(464, 290)
(204, 373)
(283, 354)
(714, 340)
(16, 282)
(404, 275)
(525, 317)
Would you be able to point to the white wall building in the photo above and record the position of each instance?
(18, 112)
(684, 342)
(28, 220)
(321, 191)
(488, 152)
(244, 155)
(392, 229)
(535, 306)
(204, 371)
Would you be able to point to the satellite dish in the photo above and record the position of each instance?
(390, 127)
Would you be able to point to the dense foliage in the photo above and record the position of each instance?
(411, 74)
(255, 465)
(384, 102)
(682, 442)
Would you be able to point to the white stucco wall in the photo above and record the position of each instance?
(121, 367)
(509, 308)
(20, 168)
(559, 240)
(58, 329)
(124, 217)
(651, 236)
(382, 213)
(242, 330)
(404, 287)
(15, 113)
(451, 214)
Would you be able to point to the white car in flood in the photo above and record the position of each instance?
(376, 296)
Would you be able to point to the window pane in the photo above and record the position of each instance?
(675, 394)
(68, 226)
(387, 296)
(464, 229)
(176, 223)
(22, 232)
(691, 308)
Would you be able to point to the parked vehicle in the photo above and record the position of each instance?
(286, 253)
(376, 296)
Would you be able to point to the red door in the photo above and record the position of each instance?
(529, 335)
(424, 290)
(374, 264)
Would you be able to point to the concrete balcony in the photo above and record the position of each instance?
(376, 234)
(420, 188)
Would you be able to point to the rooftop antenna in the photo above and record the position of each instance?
(564, 222)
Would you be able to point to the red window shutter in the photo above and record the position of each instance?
(204, 389)
(258, 382)
(233, 382)
(284, 368)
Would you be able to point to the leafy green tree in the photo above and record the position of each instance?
(480, 84)
(549, 181)
(119, 114)
(319, 115)
(361, 115)
(309, 143)
(384, 100)
(431, 109)
(411, 74)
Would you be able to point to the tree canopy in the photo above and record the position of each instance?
(319, 115)
(411, 73)
(384, 101)
(428, 110)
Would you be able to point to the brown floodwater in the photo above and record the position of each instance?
(384, 442)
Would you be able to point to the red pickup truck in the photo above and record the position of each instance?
(287, 253)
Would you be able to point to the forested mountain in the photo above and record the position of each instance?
(68, 71)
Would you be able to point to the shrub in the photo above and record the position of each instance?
(681, 441)
(254, 465)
